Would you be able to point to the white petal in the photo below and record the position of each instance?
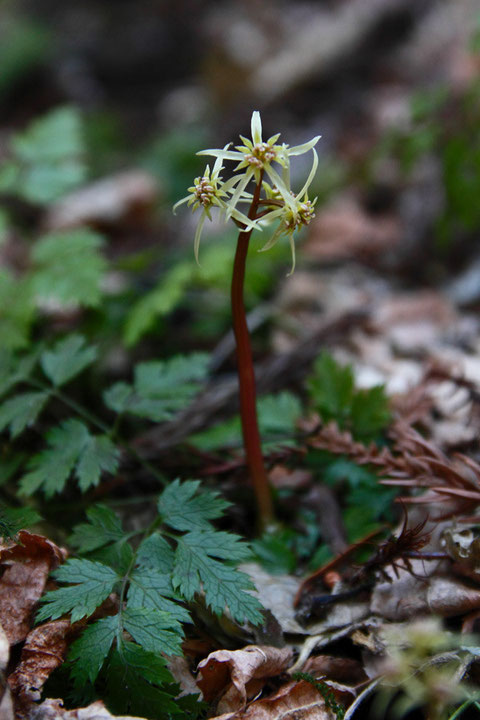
(301, 149)
(218, 163)
(278, 232)
(281, 187)
(256, 125)
(245, 179)
(180, 202)
(198, 233)
(292, 248)
(311, 175)
(224, 154)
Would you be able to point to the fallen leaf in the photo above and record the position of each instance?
(29, 562)
(6, 703)
(294, 701)
(44, 650)
(54, 710)
(237, 675)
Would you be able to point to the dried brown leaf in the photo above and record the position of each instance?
(44, 650)
(29, 562)
(238, 675)
(54, 710)
(294, 701)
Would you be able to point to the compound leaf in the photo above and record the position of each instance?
(103, 527)
(21, 411)
(155, 630)
(90, 650)
(93, 584)
(67, 359)
(183, 508)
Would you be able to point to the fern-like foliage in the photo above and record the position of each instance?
(154, 591)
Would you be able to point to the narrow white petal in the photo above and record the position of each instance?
(218, 163)
(249, 224)
(238, 191)
(301, 149)
(292, 248)
(256, 126)
(180, 202)
(311, 175)
(278, 232)
(223, 154)
(198, 234)
(281, 187)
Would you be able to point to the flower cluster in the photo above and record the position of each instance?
(256, 159)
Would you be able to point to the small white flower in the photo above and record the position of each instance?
(207, 192)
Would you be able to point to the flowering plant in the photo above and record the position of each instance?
(265, 164)
(255, 158)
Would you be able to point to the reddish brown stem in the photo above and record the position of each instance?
(246, 376)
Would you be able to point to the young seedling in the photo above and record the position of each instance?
(261, 185)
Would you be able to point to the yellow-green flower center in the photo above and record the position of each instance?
(204, 190)
(262, 154)
(303, 216)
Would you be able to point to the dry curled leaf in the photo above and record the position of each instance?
(54, 710)
(295, 700)
(237, 675)
(44, 651)
(29, 562)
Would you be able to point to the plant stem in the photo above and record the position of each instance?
(246, 376)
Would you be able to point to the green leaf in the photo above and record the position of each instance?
(103, 527)
(71, 449)
(160, 388)
(21, 411)
(370, 412)
(49, 156)
(93, 584)
(68, 268)
(331, 388)
(67, 359)
(274, 552)
(277, 415)
(155, 553)
(128, 692)
(184, 508)
(14, 370)
(224, 586)
(90, 650)
(16, 311)
(151, 666)
(155, 630)
(99, 455)
(152, 589)
(14, 519)
(157, 303)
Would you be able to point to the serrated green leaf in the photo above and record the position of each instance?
(48, 155)
(128, 692)
(93, 584)
(90, 650)
(14, 519)
(155, 553)
(370, 412)
(155, 630)
(51, 468)
(68, 268)
(184, 508)
(17, 311)
(14, 370)
(99, 455)
(151, 666)
(71, 450)
(152, 589)
(223, 586)
(331, 388)
(67, 359)
(160, 388)
(157, 303)
(21, 411)
(103, 527)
